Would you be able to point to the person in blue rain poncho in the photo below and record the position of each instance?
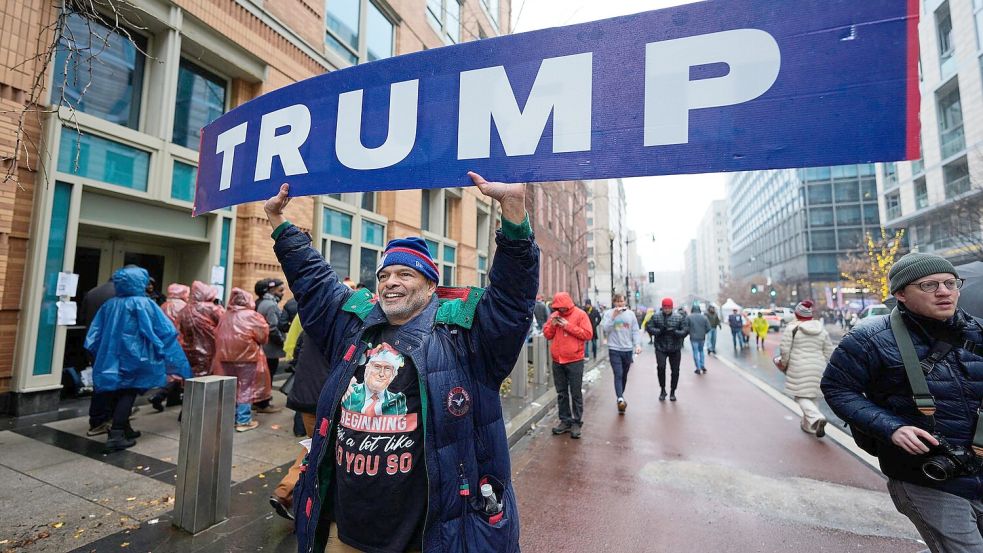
(135, 349)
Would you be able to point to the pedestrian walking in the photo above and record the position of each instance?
(311, 370)
(541, 312)
(759, 326)
(910, 385)
(595, 319)
(714, 319)
(624, 340)
(177, 300)
(736, 323)
(444, 377)
(746, 330)
(197, 322)
(270, 291)
(135, 349)
(100, 411)
(669, 329)
(645, 323)
(239, 339)
(805, 350)
(568, 328)
(699, 327)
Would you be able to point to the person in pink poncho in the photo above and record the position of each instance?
(239, 337)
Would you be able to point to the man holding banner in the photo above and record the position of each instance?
(376, 480)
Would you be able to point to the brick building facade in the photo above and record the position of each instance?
(559, 212)
(118, 164)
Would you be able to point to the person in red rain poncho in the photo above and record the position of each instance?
(197, 324)
(238, 352)
(177, 300)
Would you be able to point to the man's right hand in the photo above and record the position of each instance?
(274, 206)
(913, 440)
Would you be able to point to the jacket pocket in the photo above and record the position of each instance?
(499, 533)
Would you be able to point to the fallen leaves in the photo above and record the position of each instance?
(57, 524)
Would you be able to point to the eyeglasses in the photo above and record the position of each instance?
(933, 285)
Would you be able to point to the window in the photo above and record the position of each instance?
(951, 136)
(820, 240)
(103, 160)
(820, 194)
(343, 35)
(449, 259)
(892, 205)
(844, 172)
(823, 264)
(978, 15)
(921, 192)
(943, 27)
(814, 174)
(482, 271)
(848, 215)
(445, 17)
(848, 191)
(850, 239)
(868, 190)
(200, 100)
(425, 210)
(337, 223)
(368, 201)
(890, 175)
(104, 76)
(871, 215)
(366, 272)
(821, 217)
(340, 258)
(183, 181)
(956, 176)
(373, 233)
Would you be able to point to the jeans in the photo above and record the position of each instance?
(948, 523)
(620, 363)
(712, 341)
(100, 408)
(122, 403)
(244, 413)
(738, 337)
(590, 347)
(674, 358)
(568, 379)
(698, 357)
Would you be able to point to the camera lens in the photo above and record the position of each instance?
(939, 468)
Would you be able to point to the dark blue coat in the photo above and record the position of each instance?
(867, 362)
(470, 344)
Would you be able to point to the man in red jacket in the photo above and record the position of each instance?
(568, 327)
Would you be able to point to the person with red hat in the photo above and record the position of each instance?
(669, 329)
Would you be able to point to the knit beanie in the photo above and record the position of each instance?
(412, 252)
(914, 266)
(667, 302)
(803, 311)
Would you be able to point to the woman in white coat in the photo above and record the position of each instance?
(805, 349)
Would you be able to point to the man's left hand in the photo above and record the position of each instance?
(512, 196)
(638, 350)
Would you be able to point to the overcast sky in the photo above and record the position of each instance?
(669, 208)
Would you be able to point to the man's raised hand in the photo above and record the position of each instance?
(512, 196)
(274, 206)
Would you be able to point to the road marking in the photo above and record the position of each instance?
(840, 437)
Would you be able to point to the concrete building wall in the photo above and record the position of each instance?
(606, 243)
(713, 250)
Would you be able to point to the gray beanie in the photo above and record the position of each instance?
(914, 266)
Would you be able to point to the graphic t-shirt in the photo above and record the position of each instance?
(380, 497)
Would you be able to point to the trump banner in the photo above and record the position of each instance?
(715, 86)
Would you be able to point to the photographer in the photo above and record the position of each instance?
(621, 329)
(936, 485)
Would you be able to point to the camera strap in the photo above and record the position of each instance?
(917, 369)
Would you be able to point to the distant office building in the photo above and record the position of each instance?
(712, 251)
(691, 271)
(608, 240)
(794, 225)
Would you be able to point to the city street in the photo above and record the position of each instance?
(725, 468)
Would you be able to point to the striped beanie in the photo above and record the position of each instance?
(411, 252)
(803, 311)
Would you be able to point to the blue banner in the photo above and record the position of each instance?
(721, 85)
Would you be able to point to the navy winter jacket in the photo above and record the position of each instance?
(669, 331)
(464, 347)
(866, 385)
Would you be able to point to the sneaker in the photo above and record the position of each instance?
(100, 429)
(269, 409)
(662, 396)
(622, 405)
(247, 427)
(575, 431)
(821, 429)
(697, 371)
(131, 434)
(703, 370)
(672, 395)
(118, 441)
(281, 508)
(157, 403)
(562, 427)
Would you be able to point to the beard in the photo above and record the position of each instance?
(413, 303)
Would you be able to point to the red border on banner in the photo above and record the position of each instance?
(914, 94)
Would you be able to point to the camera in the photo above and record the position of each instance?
(946, 461)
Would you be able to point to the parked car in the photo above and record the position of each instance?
(786, 314)
(872, 310)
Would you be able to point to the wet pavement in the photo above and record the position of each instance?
(725, 468)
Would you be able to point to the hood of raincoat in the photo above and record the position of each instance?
(201, 292)
(131, 281)
(177, 291)
(562, 300)
(241, 299)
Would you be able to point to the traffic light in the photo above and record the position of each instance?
(638, 295)
(651, 277)
(754, 288)
(773, 293)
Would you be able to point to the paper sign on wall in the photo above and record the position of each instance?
(67, 312)
(67, 284)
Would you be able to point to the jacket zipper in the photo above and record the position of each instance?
(426, 468)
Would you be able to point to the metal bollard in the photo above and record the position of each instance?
(540, 359)
(204, 469)
(520, 375)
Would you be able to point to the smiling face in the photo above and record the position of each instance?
(379, 375)
(403, 293)
(939, 305)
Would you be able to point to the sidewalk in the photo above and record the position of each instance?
(726, 468)
(62, 493)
